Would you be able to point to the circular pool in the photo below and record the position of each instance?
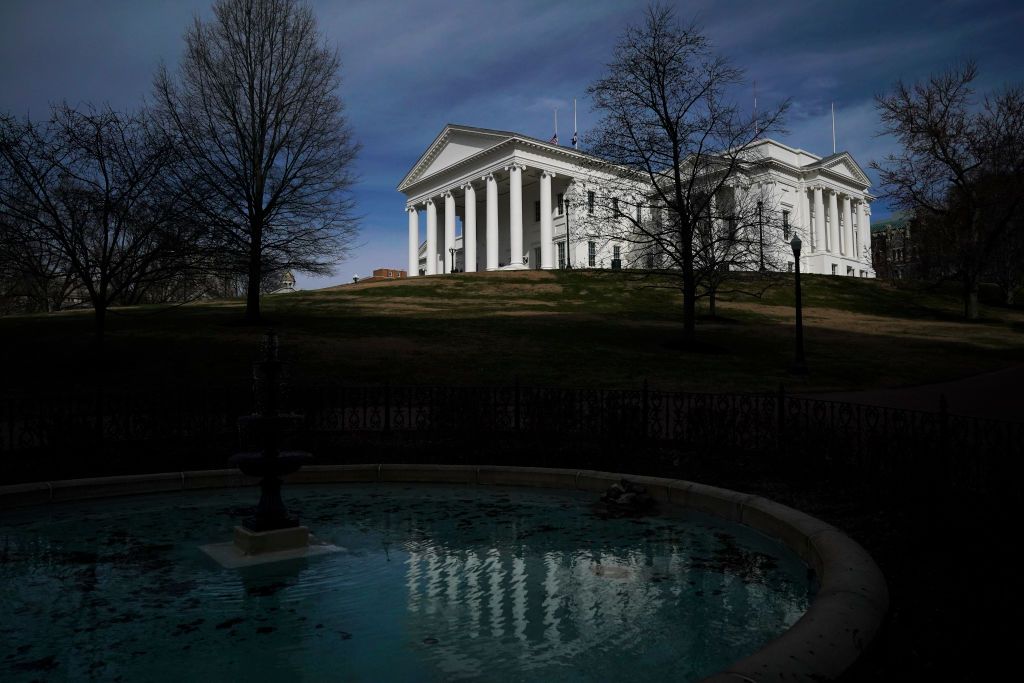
(433, 582)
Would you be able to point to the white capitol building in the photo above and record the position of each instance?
(514, 195)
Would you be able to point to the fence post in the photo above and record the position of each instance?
(647, 411)
(517, 404)
(780, 417)
(944, 445)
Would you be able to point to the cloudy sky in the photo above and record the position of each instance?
(411, 66)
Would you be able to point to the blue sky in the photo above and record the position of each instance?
(410, 66)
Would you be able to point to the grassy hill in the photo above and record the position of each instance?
(552, 328)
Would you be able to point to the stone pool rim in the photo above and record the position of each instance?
(837, 627)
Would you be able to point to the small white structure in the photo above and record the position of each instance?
(515, 195)
(287, 284)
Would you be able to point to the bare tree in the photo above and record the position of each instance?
(961, 167)
(267, 152)
(85, 195)
(676, 151)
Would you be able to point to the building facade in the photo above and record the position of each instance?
(524, 203)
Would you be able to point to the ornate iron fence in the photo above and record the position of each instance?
(883, 444)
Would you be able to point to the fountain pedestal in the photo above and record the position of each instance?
(271, 534)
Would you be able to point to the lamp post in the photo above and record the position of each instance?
(800, 363)
(451, 269)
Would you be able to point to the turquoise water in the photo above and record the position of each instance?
(434, 583)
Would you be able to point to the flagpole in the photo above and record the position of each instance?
(833, 127)
(575, 134)
(756, 127)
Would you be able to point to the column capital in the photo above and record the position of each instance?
(411, 208)
(468, 185)
(430, 201)
(448, 194)
(544, 173)
(511, 167)
(489, 178)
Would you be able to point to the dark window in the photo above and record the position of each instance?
(591, 254)
(638, 214)
(590, 202)
(650, 262)
(616, 250)
(615, 205)
(789, 266)
(561, 255)
(561, 203)
(536, 211)
(785, 224)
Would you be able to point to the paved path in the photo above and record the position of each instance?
(998, 395)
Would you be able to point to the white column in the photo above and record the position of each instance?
(414, 241)
(833, 217)
(546, 258)
(855, 251)
(820, 240)
(469, 229)
(492, 221)
(865, 232)
(847, 245)
(431, 238)
(515, 213)
(449, 231)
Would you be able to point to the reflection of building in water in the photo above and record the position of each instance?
(545, 609)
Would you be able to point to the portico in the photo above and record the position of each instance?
(517, 188)
(513, 196)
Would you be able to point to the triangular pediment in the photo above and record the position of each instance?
(454, 144)
(842, 164)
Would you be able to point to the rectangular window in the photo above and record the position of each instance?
(650, 262)
(835, 269)
(616, 250)
(536, 212)
(789, 267)
(638, 214)
(590, 202)
(591, 254)
(561, 203)
(785, 224)
(561, 255)
(849, 270)
(615, 205)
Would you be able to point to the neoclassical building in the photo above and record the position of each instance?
(514, 197)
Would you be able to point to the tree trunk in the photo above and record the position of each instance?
(711, 303)
(252, 295)
(100, 317)
(970, 299)
(689, 306)
(689, 289)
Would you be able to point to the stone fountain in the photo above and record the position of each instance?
(271, 533)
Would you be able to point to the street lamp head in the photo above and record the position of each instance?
(796, 244)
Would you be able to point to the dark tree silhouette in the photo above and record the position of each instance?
(85, 199)
(679, 146)
(267, 153)
(960, 169)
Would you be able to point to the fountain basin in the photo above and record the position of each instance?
(844, 615)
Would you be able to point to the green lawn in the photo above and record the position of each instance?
(609, 329)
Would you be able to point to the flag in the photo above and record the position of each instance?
(554, 139)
